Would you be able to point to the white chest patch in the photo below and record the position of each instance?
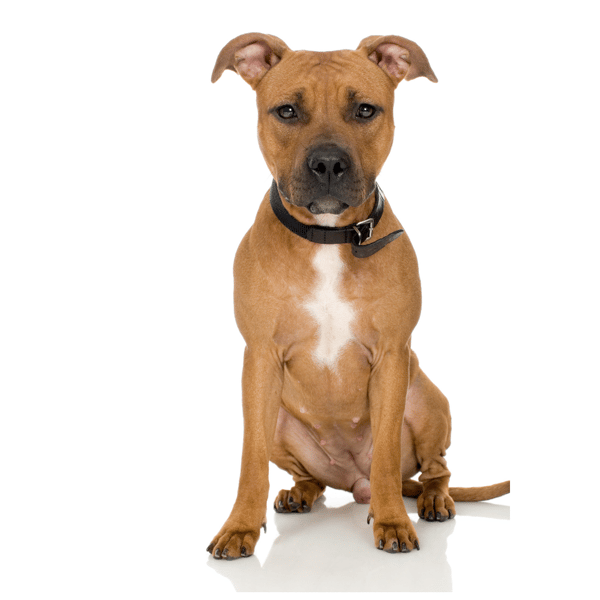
(332, 313)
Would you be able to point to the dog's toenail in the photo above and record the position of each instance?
(243, 551)
(210, 548)
(438, 516)
(416, 545)
(217, 553)
(380, 544)
(430, 516)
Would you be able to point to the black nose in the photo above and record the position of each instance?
(328, 163)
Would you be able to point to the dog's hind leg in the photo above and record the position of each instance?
(300, 498)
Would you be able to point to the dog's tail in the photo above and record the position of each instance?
(413, 489)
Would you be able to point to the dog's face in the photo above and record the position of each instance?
(325, 128)
(325, 119)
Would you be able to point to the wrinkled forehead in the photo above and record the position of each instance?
(313, 78)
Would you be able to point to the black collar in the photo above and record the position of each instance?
(356, 234)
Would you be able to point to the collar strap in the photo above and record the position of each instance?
(356, 234)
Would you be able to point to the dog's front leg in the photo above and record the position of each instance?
(393, 530)
(262, 381)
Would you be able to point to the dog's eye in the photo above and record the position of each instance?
(286, 112)
(365, 111)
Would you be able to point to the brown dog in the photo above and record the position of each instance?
(332, 392)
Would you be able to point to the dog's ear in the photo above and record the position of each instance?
(398, 57)
(250, 55)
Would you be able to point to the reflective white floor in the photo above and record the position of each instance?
(331, 550)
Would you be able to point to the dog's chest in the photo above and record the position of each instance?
(332, 314)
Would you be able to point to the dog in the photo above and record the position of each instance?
(327, 294)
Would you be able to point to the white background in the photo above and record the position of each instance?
(126, 182)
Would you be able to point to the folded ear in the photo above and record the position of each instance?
(250, 55)
(398, 57)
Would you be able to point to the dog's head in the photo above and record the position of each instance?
(325, 119)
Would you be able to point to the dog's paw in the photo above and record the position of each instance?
(234, 541)
(299, 499)
(435, 505)
(394, 535)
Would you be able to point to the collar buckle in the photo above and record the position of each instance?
(364, 230)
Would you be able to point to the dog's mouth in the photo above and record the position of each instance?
(319, 203)
(327, 205)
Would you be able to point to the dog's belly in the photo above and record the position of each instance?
(323, 428)
(336, 454)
